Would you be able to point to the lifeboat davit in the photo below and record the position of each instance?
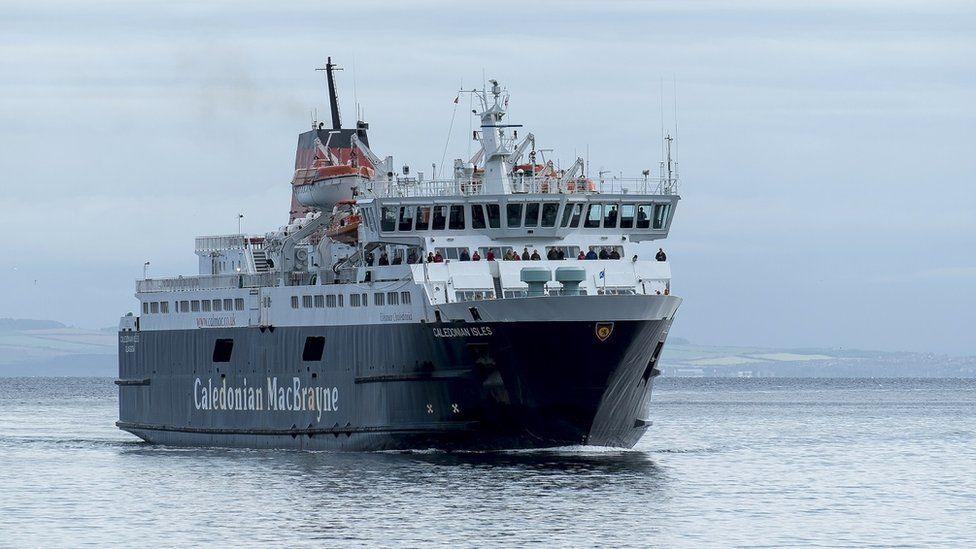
(324, 185)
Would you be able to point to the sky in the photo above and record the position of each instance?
(827, 149)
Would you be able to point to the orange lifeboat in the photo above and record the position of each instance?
(580, 185)
(342, 170)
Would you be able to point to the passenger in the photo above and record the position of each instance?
(515, 257)
(438, 258)
(635, 258)
(412, 258)
(591, 254)
(508, 255)
(490, 256)
(581, 255)
(463, 256)
(398, 258)
(525, 254)
(384, 261)
(536, 256)
(604, 254)
(614, 254)
(611, 220)
(641, 216)
(551, 254)
(369, 258)
(430, 257)
(477, 257)
(661, 256)
(560, 254)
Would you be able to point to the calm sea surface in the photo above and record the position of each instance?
(727, 463)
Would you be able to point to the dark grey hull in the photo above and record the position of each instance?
(498, 384)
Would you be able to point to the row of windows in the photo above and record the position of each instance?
(607, 215)
(193, 306)
(380, 299)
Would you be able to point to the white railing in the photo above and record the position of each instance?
(206, 282)
(522, 184)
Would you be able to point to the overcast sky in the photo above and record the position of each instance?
(827, 149)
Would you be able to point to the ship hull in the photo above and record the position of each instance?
(495, 384)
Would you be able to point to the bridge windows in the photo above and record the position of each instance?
(457, 217)
(388, 219)
(532, 214)
(513, 213)
(423, 218)
(406, 218)
(549, 211)
(205, 305)
(661, 212)
(494, 215)
(627, 216)
(610, 215)
(379, 299)
(571, 215)
(477, 217)
(644, 216)
(440, 218)
(593, 215)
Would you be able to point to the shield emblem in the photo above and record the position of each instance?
(603, 330)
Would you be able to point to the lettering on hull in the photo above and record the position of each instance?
(473, 331)
(270, 397)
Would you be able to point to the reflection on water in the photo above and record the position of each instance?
(736, 462)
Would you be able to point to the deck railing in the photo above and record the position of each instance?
(521, 184)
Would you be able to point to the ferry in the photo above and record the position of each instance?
(512, 304)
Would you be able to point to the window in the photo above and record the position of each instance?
(339, 298)
(239, 304)
(610, 216)
(567, 213)
(494, 215)
(314, 345)
(228, 304)
(145, 307)
(532, 214)
(306, 301)
(184, 306)
(423, 218)
(365, 300)
(223, 349)
(205, 305)
(406, 218)
(440, 217)
(571, 215)
(294, 302)
(569, 252)
(549, 211)
(405, 298)
(379, 299)
(661, 215)
(388, 222)
(457, 217)
(627, 216)
(354, 300)
(607, 251)
(593, 215)
(514, 213)
(195, 306)
(392, 298)
(164, 306)
(330, 301)
(643, 221)
(498, 251)
(216, 305)
(319, 302)
(477, 216)
(474, 295)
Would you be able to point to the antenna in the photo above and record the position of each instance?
(674, 83)
(662, 119)
(355, 93)
(333, 96)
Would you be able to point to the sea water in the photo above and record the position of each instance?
(740, 462)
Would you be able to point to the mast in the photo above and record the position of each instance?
(331, 67)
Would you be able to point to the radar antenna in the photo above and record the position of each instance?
(329, 68)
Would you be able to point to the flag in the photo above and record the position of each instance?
(456, 99)
(603, 273)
